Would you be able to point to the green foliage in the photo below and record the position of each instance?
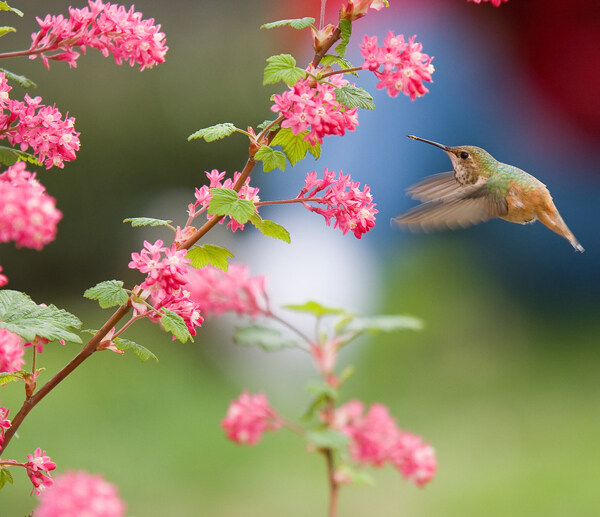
(271, 159)
(212, 133)
(225, 201)
(270, 228)
(6, 29)
(384, 323)
(267, 338)
(315, 308)
(5, 475)
(322, 390)
(140, 351)
(108, 293)
(21, 315)
(10, 156)
(175, 324)
(21, 80)
(328, 439)
(211, 254)
(346, 32)
(294, 146)
(282, 68)
(146, 221)
(6, 377)
(357, 477)
(329, 59)
(266, 123)
(5, 7)
(295, 23)
(353, 96)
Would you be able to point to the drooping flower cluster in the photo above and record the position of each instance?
(38, 469)
(376, 440)
(313, 107)
(75, 494)
(353, 209)
(249, 417)
(216, 291)
(4, 423)
(32, 124)
(28, 215)
(165, 283)
(405, 66)
(11, 351)
(495, 3)
(203, 195)
(109, 28)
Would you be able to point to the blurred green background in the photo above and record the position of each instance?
(503, 380)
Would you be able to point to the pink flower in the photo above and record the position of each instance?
(496, 3)
(248, 418)
(36, 466)
(353, 209)
(3, 278)
(355, 9)
(306, 105)
(216, 291)
(110, 28)
(75, 494)
(11, 351)
(414, 458)
(405, 67)
(4, 423)
(28, 215)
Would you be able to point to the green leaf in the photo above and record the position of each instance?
(146, 221)
(212, 133)
(357, 477)
(225, 201)
(211, 254)
(175, 324)
(266, 123)
(346, 32)
(384, 323)
(295, 146)
(267, 338)
(353, 96)
(315, 308)
(329, 59)
(270, 228)
(10, 156)
(21, 80)
(6, 377)
(271, 159)
(282, 68)
(141, 351)
(6, 29)
(108, 293)
(322, 389)
(5, 475)
(5, 7)
(21, 315)
(328, 439)
(296, 23)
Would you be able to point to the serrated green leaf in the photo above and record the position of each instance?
(328, 439)
(315, 308)
(346, 32)
(342, 61)
(175, 324)
(211, 254)
(108, 293)
(282, 68)
(5, 7)
(216, 132)
(294, 146)
(6, 29)
(21, 315)
(267, 338)
(296, 23)
(225, 201)
(146, 221)
(10, 156)
(353, 96)
(384, 323)
(6, 377)
(140, 351)
(21, 80)
(270, 228)
(5, 475)
(266, 123)
(271, 159)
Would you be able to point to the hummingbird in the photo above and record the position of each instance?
(480, 188)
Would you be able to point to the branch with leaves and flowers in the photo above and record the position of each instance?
(186, 282)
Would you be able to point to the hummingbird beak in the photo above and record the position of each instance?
(443, 147)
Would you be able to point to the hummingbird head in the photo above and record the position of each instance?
(468, 161)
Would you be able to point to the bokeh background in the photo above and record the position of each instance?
(503, 380)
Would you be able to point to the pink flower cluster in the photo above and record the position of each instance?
(38, 469)
(203, 196)
(309, 105)
(405, 67)
(165, 283)
(4, 423)
(11, 351)
(376, 440)
(109, 28)
(495, 3)
(32, 124)
(75, 494)
(353, 209)
(28, 215)
(216, 291)
(249, 417)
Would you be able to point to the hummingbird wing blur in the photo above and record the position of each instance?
(434, 187)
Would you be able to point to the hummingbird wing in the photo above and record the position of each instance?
(434, 187)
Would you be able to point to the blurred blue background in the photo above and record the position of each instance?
(503, 380)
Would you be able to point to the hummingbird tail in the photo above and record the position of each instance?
(555, 222)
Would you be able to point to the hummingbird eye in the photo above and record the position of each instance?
(464, 155)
